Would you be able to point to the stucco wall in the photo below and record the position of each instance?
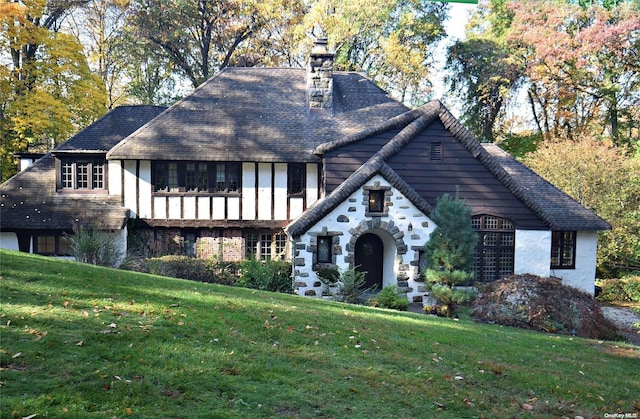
(9, 241)
(582, 277)
(532, 252)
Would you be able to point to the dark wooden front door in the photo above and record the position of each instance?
(368, 258)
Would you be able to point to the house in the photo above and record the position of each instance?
(319, 167)
(68, 188)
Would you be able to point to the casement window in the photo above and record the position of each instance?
(376, 201)
(296, 178)
(494, 254)
(82, 174)
(52, 245)
(325, 254)
(265, 246)
(196, 177)
(563, 250)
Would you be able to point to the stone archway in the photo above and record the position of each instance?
(377, 224)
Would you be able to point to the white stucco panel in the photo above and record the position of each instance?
(144, 189)
(280, 191)
(114, 170)
(248, 191)
(532, 252)
(264, 191)
(9, 241)
(131, 187)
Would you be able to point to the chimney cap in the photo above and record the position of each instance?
(320, 47)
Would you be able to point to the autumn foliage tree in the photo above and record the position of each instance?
(47, 91)
(605, 178)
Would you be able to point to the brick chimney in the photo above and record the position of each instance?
(320, 78)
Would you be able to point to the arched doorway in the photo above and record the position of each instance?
(369, 252)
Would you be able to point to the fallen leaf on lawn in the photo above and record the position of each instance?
(80, 343)
(527, 406)
(113, 325)
(66, 303)
(85, 313)
(16, 355)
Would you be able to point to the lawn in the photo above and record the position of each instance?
(79, 340)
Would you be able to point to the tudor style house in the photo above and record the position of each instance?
(318, 167)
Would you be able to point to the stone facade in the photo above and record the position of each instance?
(402, 228)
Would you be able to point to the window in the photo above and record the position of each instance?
(435, 151)
(324, 249)
(296, 177)
(563, 250)
(197, 177)
(265, 246)
(494, 255)
(52, 245)
(82, 174)
(376, 201)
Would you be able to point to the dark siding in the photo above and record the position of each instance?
(340, 163)
(457, 170)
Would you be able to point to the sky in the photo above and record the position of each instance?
(458, 17)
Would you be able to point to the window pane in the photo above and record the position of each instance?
(296, 178)
(98, 175)
(46, 244)
(265, 246)
(191, 176)
(324, 250)
(203, 181)
(281, 244)
(82, 175)
(67, 175)
(376, 201)
(173, 176)
(161, 176)
(233, 176)
(251, 246)
(220, 178)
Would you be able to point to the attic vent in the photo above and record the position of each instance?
(435, 153)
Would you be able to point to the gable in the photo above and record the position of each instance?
(491, 181)
(456, 170)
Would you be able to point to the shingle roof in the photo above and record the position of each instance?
(112, 127)
(561, 211)
(556, 209)
(29, 199)
(258, 114)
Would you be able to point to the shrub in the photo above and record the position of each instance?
(389, 297)
(620, 290)
(97, 247)
(181, 267)
(270, 275)
(351, 287)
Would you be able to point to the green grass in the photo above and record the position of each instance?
(79, 340)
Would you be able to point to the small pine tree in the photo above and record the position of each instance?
(449, 251)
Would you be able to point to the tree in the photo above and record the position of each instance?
(582, 67)
(201, 37)
(605, 178)
(48, 91)
(449, 253)
(100, 27)
(484, 70)
(391, 41)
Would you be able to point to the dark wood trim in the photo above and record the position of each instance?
(239, 224)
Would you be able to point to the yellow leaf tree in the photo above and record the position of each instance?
(47, 91)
